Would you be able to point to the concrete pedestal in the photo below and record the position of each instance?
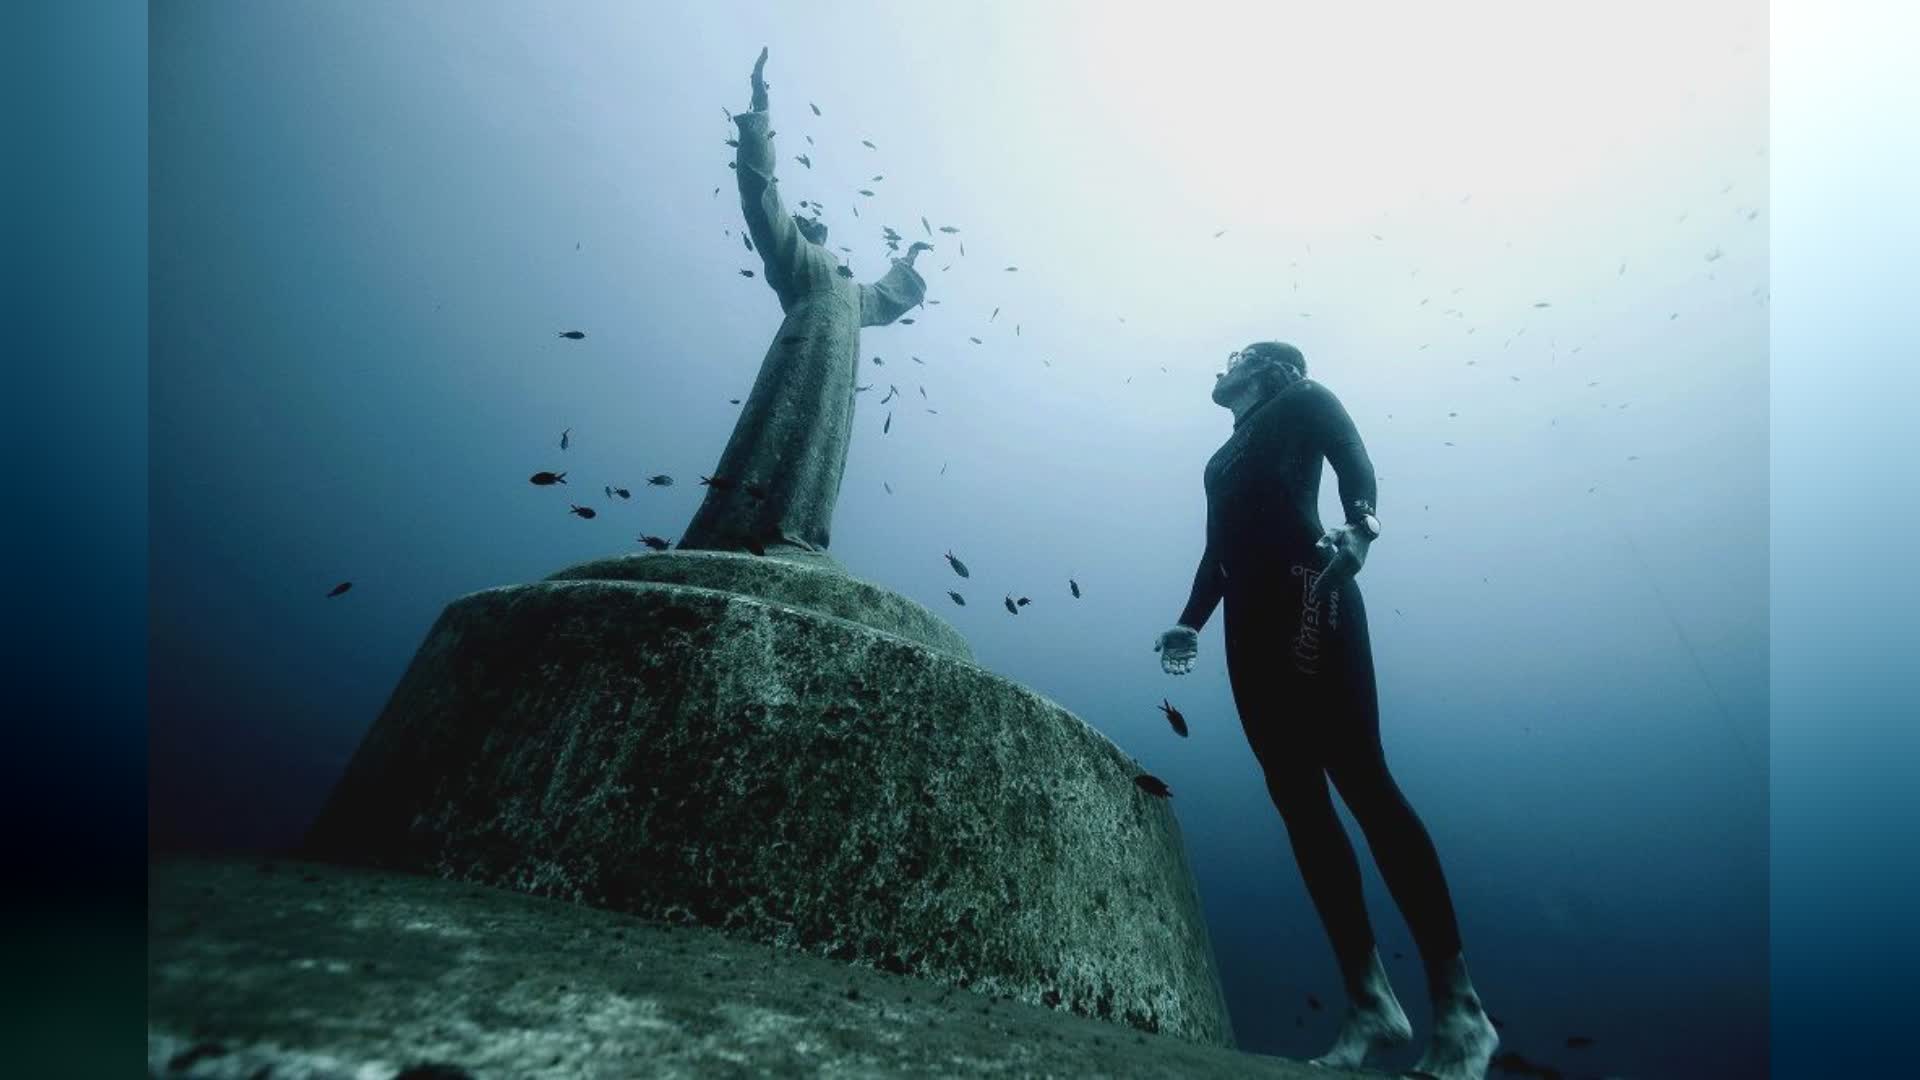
(794, 757)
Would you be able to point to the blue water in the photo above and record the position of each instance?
(368, 226)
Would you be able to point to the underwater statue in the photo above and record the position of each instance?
(779, 477)
(1301, 669)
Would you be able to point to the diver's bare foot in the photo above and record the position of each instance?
(1381, 1025)
(1463, 1043)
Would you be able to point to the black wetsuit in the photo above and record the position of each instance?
(1302, 675)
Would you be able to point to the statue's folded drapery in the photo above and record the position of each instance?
(789, 446)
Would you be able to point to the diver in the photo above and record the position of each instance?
(1301, 670)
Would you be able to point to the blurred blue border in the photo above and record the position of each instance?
(1844, 445)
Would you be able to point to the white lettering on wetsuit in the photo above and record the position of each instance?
(1306, 643)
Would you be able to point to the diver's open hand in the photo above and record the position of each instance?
(1177, 648)
(1346, 551)
(759, 83)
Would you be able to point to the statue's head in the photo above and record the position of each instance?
(813, 229)
(1258, 371)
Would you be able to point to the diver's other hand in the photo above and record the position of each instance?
(1177, 648)
(759, 83)
(1346, 551)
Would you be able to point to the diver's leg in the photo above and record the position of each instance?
(1463, 1039)
(1268, 695)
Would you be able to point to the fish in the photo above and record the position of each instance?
(957, 598)
(1075, 586)
(815, 108)
(953, 560)
(1011, 610)
(809, 140)
(891, 391)
(716, 194)
(623, 493)
(746, 273)
(862, 389)
(584, 511)
(924, 225)
(1178, 721)
(923, 391)
(888, 486)
(948, 229)
(919, 361)
(804, 160)
(963, 247)
(879, 361)
(655, 542)
(868, 144)
(564, 438)
(545, 478)
(856, 211)
(609, 490)
(733, 401)
(1714, 255)
(976, 341)
(1543, 303)
(876, 179)
(943, 468)
(866, 192)
(1023, 601)
(722, 482)
(906, 322)
(1153, 785)
(935, 412)
(1578, 1042)
(1220, 234)
(1012, 269)
(735, 143)
(995, 315)
(888, 426)
(573, 335)
(747, 240)
(660, 480)
(339, 589)
(843, 271)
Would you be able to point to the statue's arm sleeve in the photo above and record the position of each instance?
(783, 251)
(892, 296)
(1359, 491)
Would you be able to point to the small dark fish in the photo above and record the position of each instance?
(906, 322)
(948, 229)
(747, 240)
(924, 225)
(935, 412)
(1013, 269)
(735, 143)
(943, 468)
(733, 401)
(716, 194)
(1153, 785)
(1220, 234)
(957, 598)
(1023, 601)
(879, 361)
(868, 145)
(623, 493)
(815, 108)
(574, 335)
(1178, 721)
(1578, 1042)
(609, 490)
(867, 193)
(340, 588)
(963, 247)
(655, 542)
(859, 389)
(976, 341)
(722, 482)
(1011, 610)
(876, 179)
(843, 271)
(888, 486)
(891, 391)
(545, 478)
(1075, 586)
(1543, 303)
(809, 140)
(888, 426)
(856, 213)
(919, 361)
(754, 490)
(923, 391)
(584, 511)
(1313, 1003)
(564, 438)
(746, 273)
(804, 160)
(995, 315)
(958, 566)
(661, 480)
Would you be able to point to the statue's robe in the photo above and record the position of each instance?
(792, 436)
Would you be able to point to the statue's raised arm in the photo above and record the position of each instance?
(897, 291)
(783, 251)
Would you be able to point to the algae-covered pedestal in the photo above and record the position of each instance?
(772, 748)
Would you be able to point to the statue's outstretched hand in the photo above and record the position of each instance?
(913, 251)
(1346, 551)
(760, 83)
(1177, 648)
